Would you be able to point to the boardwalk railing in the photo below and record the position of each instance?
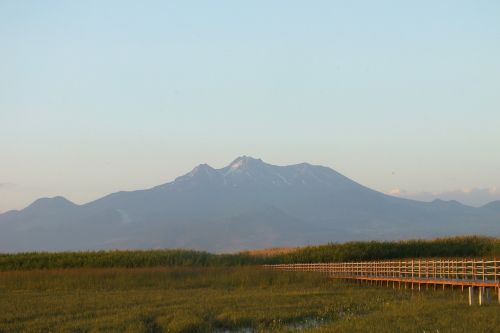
(481, 273)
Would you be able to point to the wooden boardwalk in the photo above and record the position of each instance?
(478, 275)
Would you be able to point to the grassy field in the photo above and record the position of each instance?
(222, 299)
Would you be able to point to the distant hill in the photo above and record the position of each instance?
(247, 204)
(492, 206)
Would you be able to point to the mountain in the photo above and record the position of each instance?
(247, 204)
(494, 206)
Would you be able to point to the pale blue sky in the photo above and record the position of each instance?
(100, 96)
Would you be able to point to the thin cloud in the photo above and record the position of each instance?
(7, 185)
(397, 191)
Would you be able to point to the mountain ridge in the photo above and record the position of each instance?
(246, 204)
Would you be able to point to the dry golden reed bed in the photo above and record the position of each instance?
(271, 251)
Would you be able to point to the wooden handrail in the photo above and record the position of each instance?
(470, 269)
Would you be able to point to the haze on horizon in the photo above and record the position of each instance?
(99, 97)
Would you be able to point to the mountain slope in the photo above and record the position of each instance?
(248, 204)
(492, 206)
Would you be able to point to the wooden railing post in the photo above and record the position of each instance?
(484, 273)
(465, 269)
(473, 269)
(495, 269)
(412, 269)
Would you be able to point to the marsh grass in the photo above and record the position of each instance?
(469, 246)
(197, 299)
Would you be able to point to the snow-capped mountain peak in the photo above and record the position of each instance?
(244, 162)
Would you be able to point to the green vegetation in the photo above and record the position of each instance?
(215, 299)
(119, 258)
(472, 246)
